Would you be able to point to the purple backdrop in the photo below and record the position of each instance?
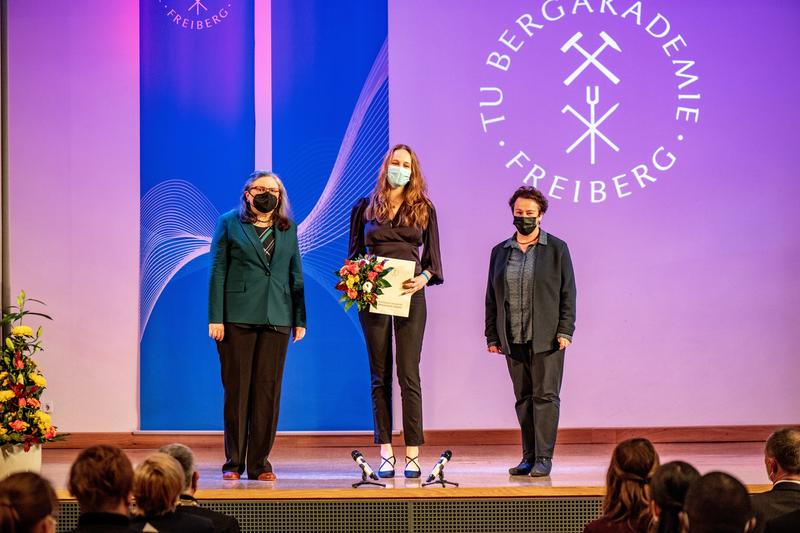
(687, 290)
(687, 287)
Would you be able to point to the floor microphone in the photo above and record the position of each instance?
(358, 457)
(437, 469)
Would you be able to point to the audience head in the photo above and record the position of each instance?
(101, 479)
(717, 503)
(668, 492)
(27, 504)
(782, 454)
(632, 465)
(157, 484)
(183, 454)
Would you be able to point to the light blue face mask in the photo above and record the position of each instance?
(398, 176)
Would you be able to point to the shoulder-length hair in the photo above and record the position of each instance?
(157, 484)
(281, 214)
(633, 464)
(416, 204)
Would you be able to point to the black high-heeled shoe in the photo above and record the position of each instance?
(386, 473)
(412, 473)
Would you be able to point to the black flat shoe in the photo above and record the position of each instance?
(386, 473)
(542, 467)
(412, 473)
(522, 469)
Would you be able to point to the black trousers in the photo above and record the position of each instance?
(251, 358)
(537, 384)
(408, 336)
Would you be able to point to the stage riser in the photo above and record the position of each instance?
(434, 437)
(529, 515)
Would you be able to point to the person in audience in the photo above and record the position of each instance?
(157, 485)
(187, 503)
(717, 503)
(27, 504)
(788, 523)
(101, 479)
(626, 507)
(782, 460)
(667, 494)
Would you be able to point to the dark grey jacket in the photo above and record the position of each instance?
(553, 295)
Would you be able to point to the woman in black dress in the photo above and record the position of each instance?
(395, 221)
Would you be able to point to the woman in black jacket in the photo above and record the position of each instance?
(530, 317)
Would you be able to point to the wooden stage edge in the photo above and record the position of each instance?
(402, 494)
(436, 437)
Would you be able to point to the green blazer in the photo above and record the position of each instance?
(245, 288)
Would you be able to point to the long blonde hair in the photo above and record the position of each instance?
(414, 210)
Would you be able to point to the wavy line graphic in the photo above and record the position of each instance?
(177, 220)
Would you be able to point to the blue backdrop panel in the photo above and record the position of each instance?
(330, 131)
(197, 130)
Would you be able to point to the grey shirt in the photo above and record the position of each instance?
(520, 275)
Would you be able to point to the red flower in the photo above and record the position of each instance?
(372, 275)
(18, 364)
(18, 425)
(22, 402)
(378, 267)
(351, 293)
(353, 268)
(51, 432)
(341, 286)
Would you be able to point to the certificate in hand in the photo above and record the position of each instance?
(392, 302)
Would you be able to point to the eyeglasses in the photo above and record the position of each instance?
(261, 190)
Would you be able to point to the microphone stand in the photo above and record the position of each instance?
(367, 481)
(440, 480)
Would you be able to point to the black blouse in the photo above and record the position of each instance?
(397, 241)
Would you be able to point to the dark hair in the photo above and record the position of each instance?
(633, 463)
(101, 477)
(784, 446)
(717, 502)
(531, 193)
(280, 215)
(668, 487)
(25, 500)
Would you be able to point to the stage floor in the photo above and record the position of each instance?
(481, 471)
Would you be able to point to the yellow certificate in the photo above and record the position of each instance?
(392, 302)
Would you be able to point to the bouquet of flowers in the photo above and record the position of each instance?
(22, 420)
(361, 281)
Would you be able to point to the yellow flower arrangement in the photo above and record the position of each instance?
(21, 383)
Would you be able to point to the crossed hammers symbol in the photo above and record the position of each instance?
(591, 59)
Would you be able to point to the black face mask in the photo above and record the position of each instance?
(265, 202)
(525, 225)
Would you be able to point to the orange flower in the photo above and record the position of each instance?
(34, 403)
(372, 275)
(51, 432)
(22, 402)
(352, 294)
(18, 425)
(378, 267)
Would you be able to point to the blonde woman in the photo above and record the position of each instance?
(396, 221)
(157, 486)
(256, 301)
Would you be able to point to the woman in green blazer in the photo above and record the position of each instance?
(255, 302)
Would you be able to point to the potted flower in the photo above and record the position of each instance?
(24, 426)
